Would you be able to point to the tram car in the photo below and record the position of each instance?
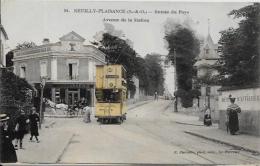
(110, 93)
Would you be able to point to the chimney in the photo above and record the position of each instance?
(46, 41)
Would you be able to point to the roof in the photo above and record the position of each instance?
(4, 32)
(72, 36)
(205, 62)
(209, 45)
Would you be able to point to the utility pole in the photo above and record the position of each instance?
(43, 82)
(176, 81)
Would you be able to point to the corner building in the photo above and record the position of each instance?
(68, 65)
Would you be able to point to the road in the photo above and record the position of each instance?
(149, 135)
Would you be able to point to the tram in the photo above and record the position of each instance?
(110, 93)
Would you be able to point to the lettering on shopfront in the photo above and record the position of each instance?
(242, 99)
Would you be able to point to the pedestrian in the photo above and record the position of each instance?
(155, 95)
(232, 116)
(7, 151)
(207, 117)
(34, 120)
(20, 128)
(87, 113)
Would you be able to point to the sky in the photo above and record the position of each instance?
(33, 20)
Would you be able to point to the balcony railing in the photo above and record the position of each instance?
(72, 77)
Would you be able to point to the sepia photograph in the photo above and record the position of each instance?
(129, 82)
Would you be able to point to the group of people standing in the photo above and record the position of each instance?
(83, 106)
(232, 122)
(7, 149)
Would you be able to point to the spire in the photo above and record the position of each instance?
(209, 40)
(208, 26)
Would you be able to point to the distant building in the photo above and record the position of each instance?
(3, 38)
(206, 62)
(69, 66)
(169, 80)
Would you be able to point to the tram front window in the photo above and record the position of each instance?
(107, 95)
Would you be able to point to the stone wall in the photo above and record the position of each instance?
(249, 101)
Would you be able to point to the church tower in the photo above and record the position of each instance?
(206, 68)
(206, 61)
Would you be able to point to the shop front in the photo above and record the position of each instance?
(69, 92)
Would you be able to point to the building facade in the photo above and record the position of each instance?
(3, 38)
(68, 66)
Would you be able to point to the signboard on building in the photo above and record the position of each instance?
(247, 99)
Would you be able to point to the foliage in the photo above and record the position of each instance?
(15, 94)
(183, 47)
(195, 93)
(240, 49)
(10, 54)
(142, 71)
(14, 87)
(25, 45)
(208, 79)
(155, 74)
(9, 58)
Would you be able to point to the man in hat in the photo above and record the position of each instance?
(7, 151)
(232, 116)
(20, 128)
(34, 119)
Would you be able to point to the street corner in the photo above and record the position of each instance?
(41, 151)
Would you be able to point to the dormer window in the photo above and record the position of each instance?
(72, 47)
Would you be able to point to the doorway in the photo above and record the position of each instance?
(73, 96)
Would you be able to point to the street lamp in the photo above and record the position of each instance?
(43, 82)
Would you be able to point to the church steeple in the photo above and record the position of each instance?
(208, 26)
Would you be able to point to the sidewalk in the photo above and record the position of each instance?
(137, 104)
(42, 152)
(242, 141)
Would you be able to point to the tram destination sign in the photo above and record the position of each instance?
(112, 76)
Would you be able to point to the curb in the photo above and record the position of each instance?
(255, 152)
(50, 124)
(63, 116)
(80, 116)
(138, 105)
(64, 149)
(192, 124)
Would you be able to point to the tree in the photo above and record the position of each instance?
(155, 74)
(15, 93)
(14, 87)
(142, 71)
(9, 57)
(25, 45)
(239, 63)
(183, 47)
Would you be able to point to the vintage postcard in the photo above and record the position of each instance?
(129, 82)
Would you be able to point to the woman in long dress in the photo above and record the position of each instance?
(207, 117)
(232, 116)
